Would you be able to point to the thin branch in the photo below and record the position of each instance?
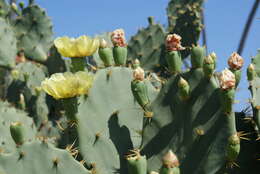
(247, 27)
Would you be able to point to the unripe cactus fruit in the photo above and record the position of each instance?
(173, 56)
(136, 163)
(170, 164)
(233, 147)
(213, 55)
(227, 84)
(136, 63)
(17, 132)
(251, 72)
(120, 47)
(105, 53)
(208, 66)
(139, 88)
(197, 56)
(227, 79)
(184, 89)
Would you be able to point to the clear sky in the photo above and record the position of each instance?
(225, 20)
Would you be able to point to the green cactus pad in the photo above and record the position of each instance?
(27, 82)
(110, 120)
(10, 115)
(41, 158)
(255, 90)
(34, 33)
(196, 130)
(184, 19)
(148, 46)
(8, 48)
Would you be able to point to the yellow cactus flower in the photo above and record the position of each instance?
(80, 47)
(67, 85)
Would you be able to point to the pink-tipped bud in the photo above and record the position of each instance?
(227, 79)
(173, 43)
(170, 160)
(103, 43)
(138, 74)
(118, 38)
(235, 61)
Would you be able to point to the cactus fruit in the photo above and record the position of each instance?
(16, 127)
(173, 56)
(17, 132)
(139, 88)
(208, 66)
(197, 56)
(120, 47)
(136, 163)
(170, 164)
(235, 63)
(105, 53)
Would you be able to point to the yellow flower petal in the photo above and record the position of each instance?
(67, 85)
(79, 47)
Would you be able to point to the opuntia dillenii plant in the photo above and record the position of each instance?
(118, 106)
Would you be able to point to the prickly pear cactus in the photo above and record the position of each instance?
(34, 33)
(148, 46)
(184, 19)
(189, 119)
(110, 120)
(8, 115)
(40, 157)
(8, 45)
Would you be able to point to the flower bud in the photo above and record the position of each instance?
(235, 61)
(182, 83)
(15, 74)
(17, 132)
(14, 6)
(138, 74)
(184, 89)
(173, 43)
(136, 63)
(118, 38)
(233, 148)
(208, 66)
(213, 55)
(103, 43)
(136, 163)
(170, 160)
(227, 79)
(251, 72)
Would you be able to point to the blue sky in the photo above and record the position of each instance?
(225, 20)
